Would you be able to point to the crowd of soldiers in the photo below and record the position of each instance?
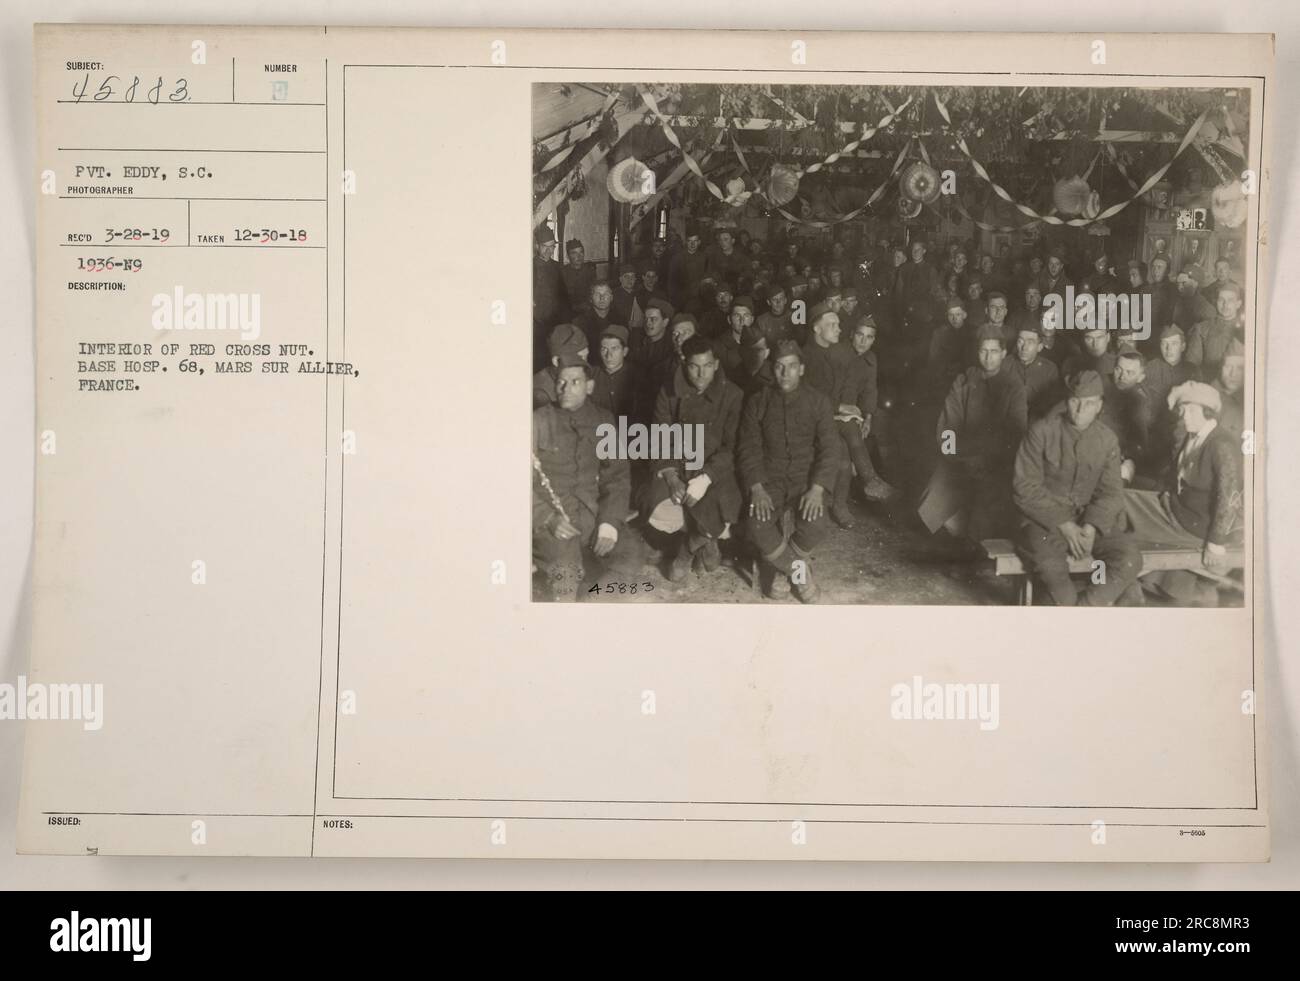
(1073, 442)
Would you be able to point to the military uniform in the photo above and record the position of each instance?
(578, 281)
(717, 409)
(593, 325)
(1162, 377)
(592, 492)
(1067, 474)
(1131, 415)
(787, 443)
(1208, 342)
(686, 271)
(832, 371)
(1042, 381)
(615, 393)
(987, 415)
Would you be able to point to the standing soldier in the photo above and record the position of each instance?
(918, 295)
(864, 392)
(1068, 490)
(548, 292)
(686, 271)
(579, 499)
(978, 431)
(830, 368)
(598, 315)
(788, 452)
(699, 395)
(652, 358)
(579, 277)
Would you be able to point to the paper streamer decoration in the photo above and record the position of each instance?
(1029, 212)
(838, 219)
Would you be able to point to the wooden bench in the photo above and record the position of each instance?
(1155, 558)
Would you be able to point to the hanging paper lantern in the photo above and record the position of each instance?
(1228, 204)
(1070, 195)
(1093, 208)
(737, 196)
(920, 182)
(782, 184)
(907, 207)
(630, 181)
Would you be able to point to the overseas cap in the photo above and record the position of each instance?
(616, 330)
(786, 348)
(1085, 384)
(565, 339)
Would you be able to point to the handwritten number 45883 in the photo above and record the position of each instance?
(81, 89)
(629, 588)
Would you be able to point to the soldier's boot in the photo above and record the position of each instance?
(705, 550)
(680, 567)
(774, 573)
(805, 590)
(839, 509)
(876, 489)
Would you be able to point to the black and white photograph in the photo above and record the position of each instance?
(896, 344)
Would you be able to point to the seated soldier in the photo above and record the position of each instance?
(625, 309)
(1208, 341)
(1095, 355)
(652, 358)
(829, 368)
(1230, 386)
(579, 499)
(757, 368)
(978, 431)
(788, 454)
(727, 344)
(1041, 377)
(1068, 490)
(650, 285)
(1130, 413)
(598, 315)
(709, 497)
(774, 323)
(951, 350)
(564, 339)
(715, 321)
(1031, 313)
(1171, 368)
(1200, 503)
(1192, 308)
(864, 392)
(995, 313)
(850, 304)
(613, 388)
